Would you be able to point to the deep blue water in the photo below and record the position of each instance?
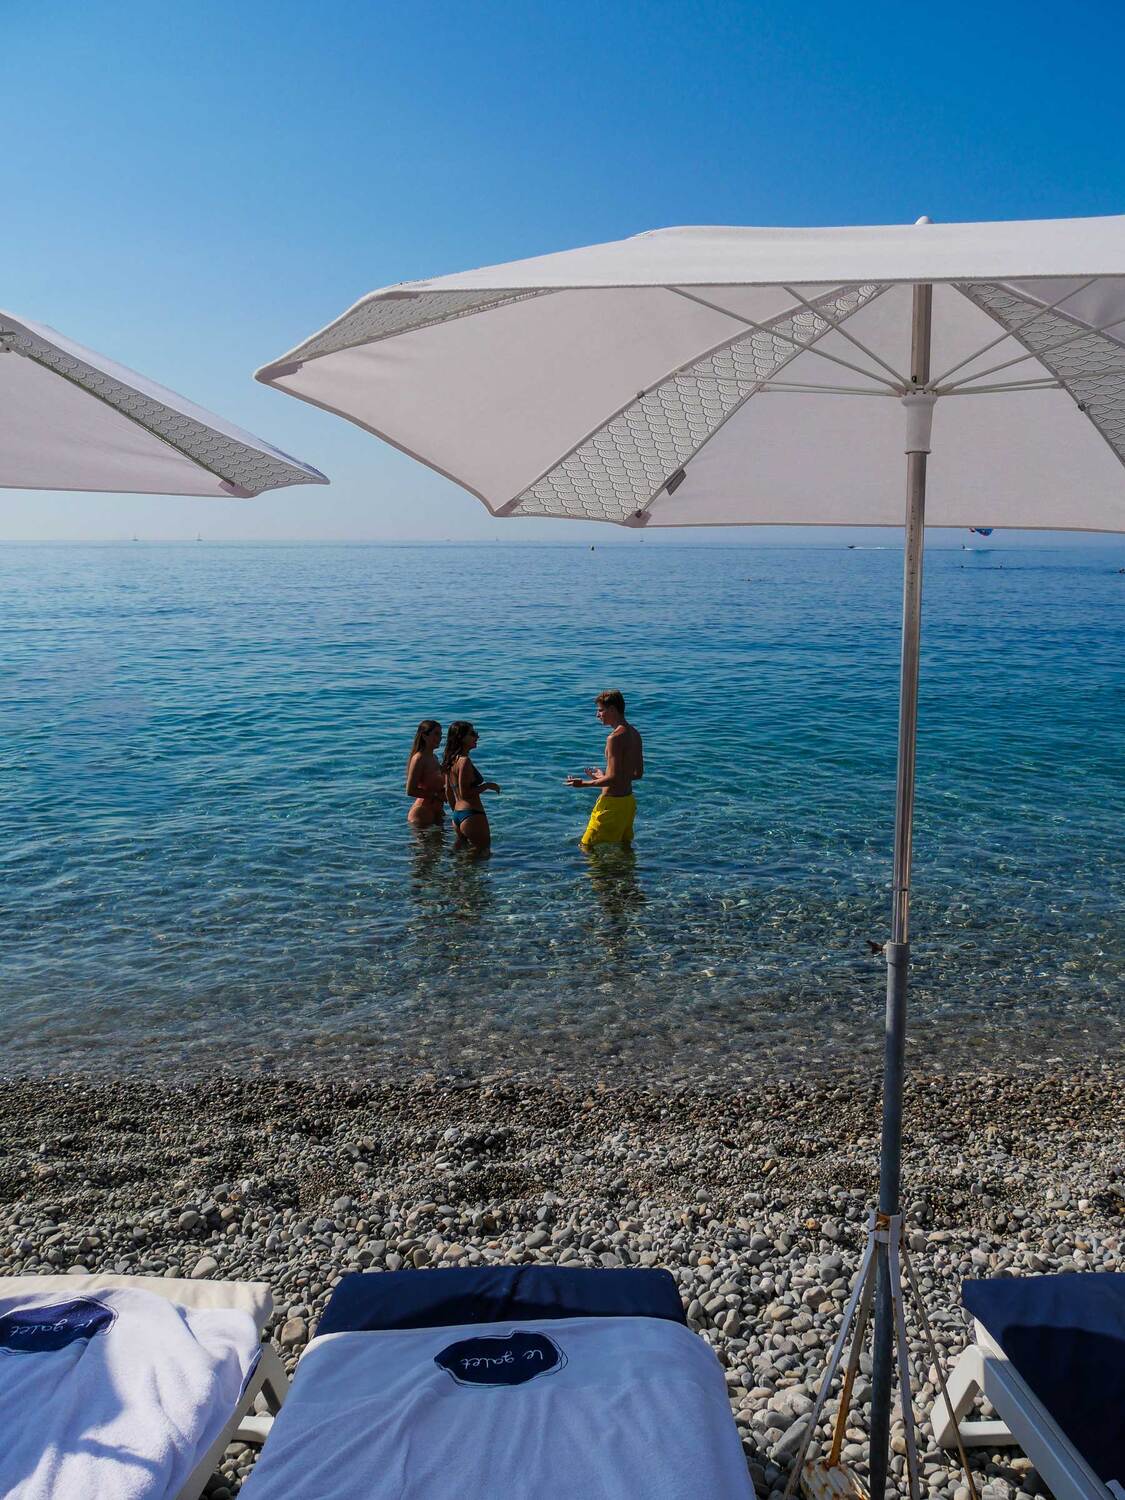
(204, 859)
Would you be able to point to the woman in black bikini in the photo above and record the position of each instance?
(464, 784)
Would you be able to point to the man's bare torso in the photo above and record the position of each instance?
(624, 761)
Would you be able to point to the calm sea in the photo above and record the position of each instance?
(204, 859)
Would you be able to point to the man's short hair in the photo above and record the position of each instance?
(612, 699)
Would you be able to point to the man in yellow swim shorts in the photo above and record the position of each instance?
(611, 821)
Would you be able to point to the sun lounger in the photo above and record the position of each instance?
(585, 1383)
(129, 1387)
(1050, 1357)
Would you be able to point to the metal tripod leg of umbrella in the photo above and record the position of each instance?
(829, 1479)
(840, 1426)
(894, 1247)
(919, 406)
(936, 1357)
(861, 1296)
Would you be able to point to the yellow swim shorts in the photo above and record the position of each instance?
(611, 821)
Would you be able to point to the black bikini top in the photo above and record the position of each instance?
(478, 778)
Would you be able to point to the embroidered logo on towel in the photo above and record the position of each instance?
(43, 1330)
(511, 1359)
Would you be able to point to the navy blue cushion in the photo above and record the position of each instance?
(1066, 1336)
(493, 1294)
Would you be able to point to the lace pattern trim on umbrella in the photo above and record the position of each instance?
(245, 469)
(392, 313)
(1086, 362)
(614, 474)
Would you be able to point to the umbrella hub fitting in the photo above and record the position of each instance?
(919, 420)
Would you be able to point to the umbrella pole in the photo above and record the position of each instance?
(919, 412)
(880, 1275)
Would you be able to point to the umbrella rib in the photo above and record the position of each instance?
(961, 363)
(798, 387)
(851, 338)
(159, 436)
(1081, 333)
(643, 508)
(1012, 385)
(810, 348)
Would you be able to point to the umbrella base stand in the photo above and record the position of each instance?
(819, 1482)
(829, 1478)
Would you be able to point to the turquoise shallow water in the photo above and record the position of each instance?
(205, 862)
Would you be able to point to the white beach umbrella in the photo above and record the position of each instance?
(710, 376)
(72, 420)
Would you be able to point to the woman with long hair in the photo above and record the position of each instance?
(464, 784)
(424, 779)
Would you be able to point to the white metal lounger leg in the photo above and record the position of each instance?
(269, 1380)
(964, 1384)
(984, 1367)
(255, 1427)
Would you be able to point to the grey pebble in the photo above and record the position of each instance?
(294, 1332)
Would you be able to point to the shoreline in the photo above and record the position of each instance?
(755, 1199)
(742, 1048)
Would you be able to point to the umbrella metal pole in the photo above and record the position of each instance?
(898, 948)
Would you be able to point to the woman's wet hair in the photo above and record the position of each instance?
(456, 743)
(424, 729)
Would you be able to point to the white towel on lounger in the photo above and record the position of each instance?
(114, 1394)
(554, 1409)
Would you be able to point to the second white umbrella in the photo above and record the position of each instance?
(73, 420)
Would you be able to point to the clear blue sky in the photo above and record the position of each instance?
(192, 189)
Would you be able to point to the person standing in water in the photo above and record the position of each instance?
(464, 784)
(424, 779)
(613, 815)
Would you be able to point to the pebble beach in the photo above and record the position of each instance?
(755, 1200)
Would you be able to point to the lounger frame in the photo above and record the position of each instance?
(984, 1368)
(267, 1380)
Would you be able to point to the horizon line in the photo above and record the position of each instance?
(1081, 538)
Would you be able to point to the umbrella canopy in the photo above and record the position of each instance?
(76, 421)
(709, 376)
(703, 377)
